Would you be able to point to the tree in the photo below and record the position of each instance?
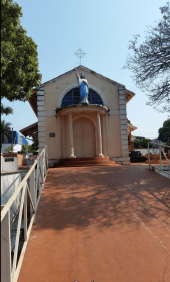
(164, 132)
(29, 148)
(9, 150)
(5, 129)
(35, 143)
(24, 148)
(150, 62)
(142, 143)
(19, 62)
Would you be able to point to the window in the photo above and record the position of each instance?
(73, 98)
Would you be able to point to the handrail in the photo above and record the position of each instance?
(11, 200)
(160, 168)
(10, 270)
(159, 144)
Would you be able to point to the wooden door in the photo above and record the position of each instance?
(84, 139)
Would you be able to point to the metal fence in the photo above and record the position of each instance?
(160, 160)
(30, 197)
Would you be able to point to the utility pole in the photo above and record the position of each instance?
(12, 141)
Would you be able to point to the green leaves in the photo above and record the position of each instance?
(9, 150)
(19, 57)
(5, 129)
(164, 132)
(30, 148)
(142, 143)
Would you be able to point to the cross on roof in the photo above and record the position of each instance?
(80, 54)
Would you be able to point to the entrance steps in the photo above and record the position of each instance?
(95, 161)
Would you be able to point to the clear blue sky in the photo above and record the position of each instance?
(103, 30)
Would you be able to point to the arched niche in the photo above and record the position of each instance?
(92, 91)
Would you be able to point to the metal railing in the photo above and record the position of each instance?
(162, 165)
(30, 190)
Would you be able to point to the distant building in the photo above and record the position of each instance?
(156, 142)
(18, 140)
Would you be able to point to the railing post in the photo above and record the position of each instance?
(148, 156)
(32, 192)
(25, 216)
(40, 179)
(42, 172)
(160, 156)
(46, 156)
(6, 248)
(43, 168)
(37, 178)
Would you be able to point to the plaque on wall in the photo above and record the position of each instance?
(9, 159)
(52, 134)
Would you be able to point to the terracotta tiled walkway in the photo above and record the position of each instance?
(105, 224)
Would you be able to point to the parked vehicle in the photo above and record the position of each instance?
(136, 157)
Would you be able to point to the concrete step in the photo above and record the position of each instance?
(86, 161)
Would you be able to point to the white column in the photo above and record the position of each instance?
(123, 123)
(63, 138)
(104, 136)
(71, 145)
(99, 136)
(41, 119)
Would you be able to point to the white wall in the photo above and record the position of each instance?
(2, 161)
(10, 165)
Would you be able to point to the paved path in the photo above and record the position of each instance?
(101, 224)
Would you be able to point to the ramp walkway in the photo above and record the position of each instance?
(101, 224)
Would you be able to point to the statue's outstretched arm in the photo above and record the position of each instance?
(76, 72)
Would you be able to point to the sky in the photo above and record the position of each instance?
(102, 29)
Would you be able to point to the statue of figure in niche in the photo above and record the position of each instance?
(84, 89)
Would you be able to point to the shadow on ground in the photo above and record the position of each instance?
(105, 197)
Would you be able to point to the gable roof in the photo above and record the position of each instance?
(33, 98)
(78, 68)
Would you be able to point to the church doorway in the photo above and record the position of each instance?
(84, 139)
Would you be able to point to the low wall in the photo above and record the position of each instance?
(19, 156)
(9, 164)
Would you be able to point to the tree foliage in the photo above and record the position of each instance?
(8, 150)
(150, 62)
(24, 148)
(19, 62)
(142, 143)
(31, 148)
(35, 143)
(164, 132)
(5, 129)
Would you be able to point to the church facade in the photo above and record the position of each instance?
(72, 129)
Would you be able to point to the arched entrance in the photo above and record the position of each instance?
(84, 138)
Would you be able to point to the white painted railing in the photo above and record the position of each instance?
(10, 267)
(163, 165)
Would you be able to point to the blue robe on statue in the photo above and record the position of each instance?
(84, 90)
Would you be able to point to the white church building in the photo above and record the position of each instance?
(71, 129)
